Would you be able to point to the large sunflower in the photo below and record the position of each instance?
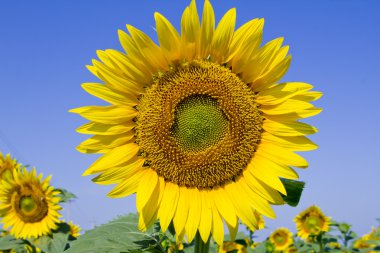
(30, 204)
(198, 127)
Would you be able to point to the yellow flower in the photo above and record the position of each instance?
(281, 239)
(7, 164)
(311, 222)
(363, 242)
(201, 117)
(29, 204)
(232, 246)
(74, 229)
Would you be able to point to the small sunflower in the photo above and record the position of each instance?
(202, 117)
(7, 164)
(366, 241)
(74, 229)
(232, 247)
(29, 204)
(281, 239)
(311, 222)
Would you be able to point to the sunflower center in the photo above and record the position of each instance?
(312, 224)
(27, 204)
(279, 239)
(199, 123)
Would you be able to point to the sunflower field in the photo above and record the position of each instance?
(202, 130)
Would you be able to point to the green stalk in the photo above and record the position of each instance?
(200, 246)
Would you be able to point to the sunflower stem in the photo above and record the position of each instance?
(200, 246)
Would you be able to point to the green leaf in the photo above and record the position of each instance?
(65, 195)
(8, 242)
(294, 191)
(119, 235)
(54, 243)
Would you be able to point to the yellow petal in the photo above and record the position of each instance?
(128, 186)
(113, 158)
(205, 223)
(148, 48)
(262, 189)
(259, 64)
(242, 207)
(193, 219)
(130, 68)
(190, 30)
(116, 81)
(168, 37)
(182, 211)
(245, 43)
(146, 188)
(224, 205)
(168, 205)
(133, 53)
(281, 92)
(281, 155)
(288, 106)
(117, 174)
(101, 142)
(256, 201)
(109, 95)
(113, 114)
(295, 143)
(288, 128)
(106, 129)
(223, 36)
(207, 30)
(309, 96)
(217, 226)
(148, 215)
(273, 75)
(259, 169)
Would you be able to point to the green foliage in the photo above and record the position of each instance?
(8, 242)
(119, 235)
(294, 191)
(65, 195)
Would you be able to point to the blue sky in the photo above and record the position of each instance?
(45, 45)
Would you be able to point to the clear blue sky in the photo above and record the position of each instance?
(45, 45)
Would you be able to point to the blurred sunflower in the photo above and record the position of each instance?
(232, 247)
(366, 242)
(281, 239)
(74, 229)
(199, 117)
(29, 204)
(311, 222)
(7, 164)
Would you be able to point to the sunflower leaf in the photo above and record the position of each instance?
(119, 235)
(65, 195)
(294, 191)
(8, 242)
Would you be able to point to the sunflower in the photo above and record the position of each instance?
(202, 117)
(281, 239)
(7, 164)
(74, 229)
(366, 241)
(232, 247)
(29, 203)
(311, 222)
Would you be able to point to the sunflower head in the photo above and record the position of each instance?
(281, 239)
(200, 116)
(29, 204)
(232, 247)
(7, 164)
(74, 229)
(311, 222)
